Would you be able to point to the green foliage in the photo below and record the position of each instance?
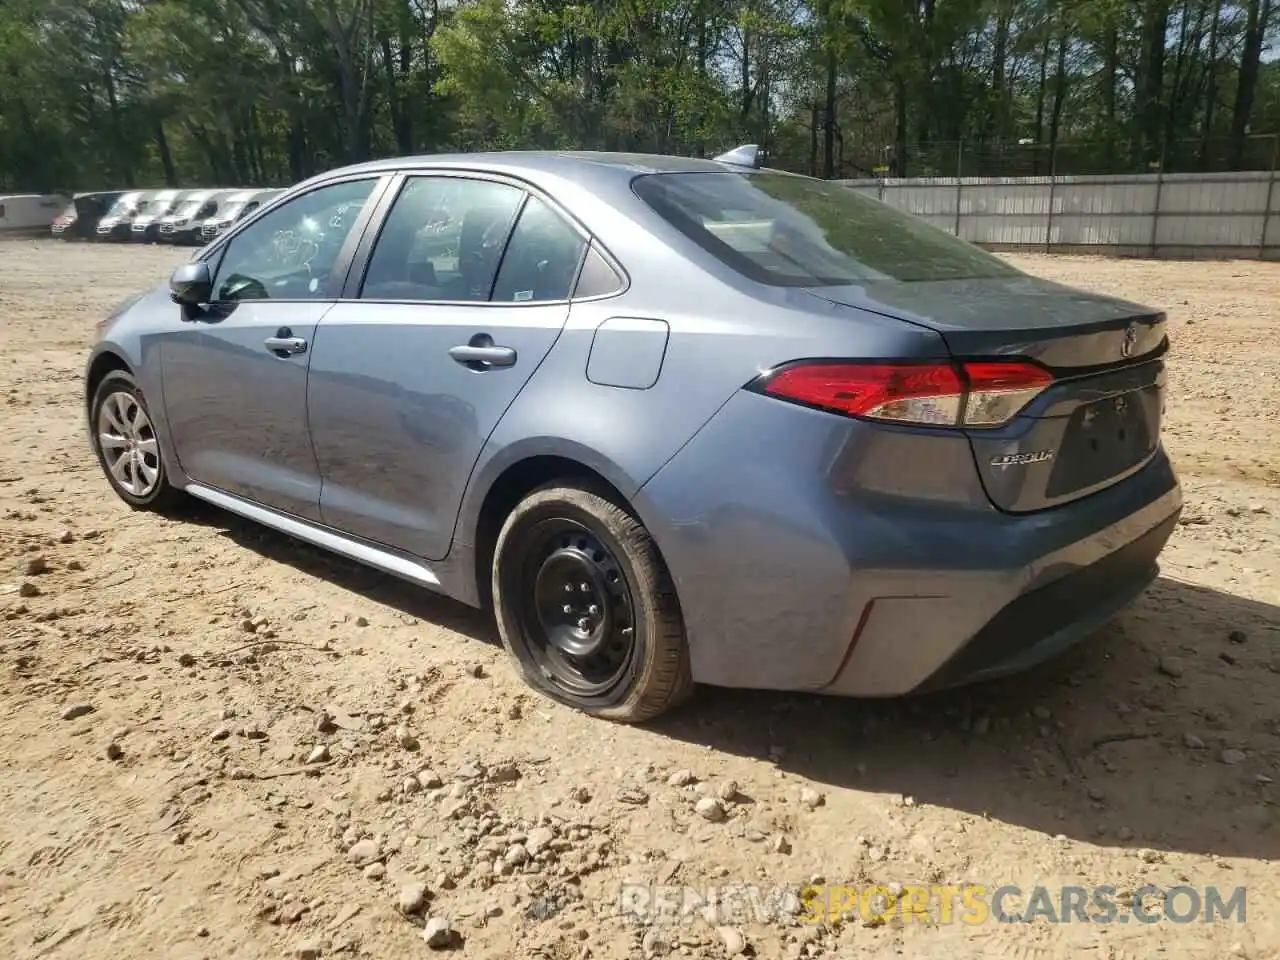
(99, 93)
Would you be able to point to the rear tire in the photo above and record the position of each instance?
(586, 607)
(127, 444)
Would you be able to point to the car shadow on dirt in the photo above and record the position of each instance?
(379, 587)
(1160, 732)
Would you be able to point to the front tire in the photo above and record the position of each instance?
(586, 608)
(127, 445)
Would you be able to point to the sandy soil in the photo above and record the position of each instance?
(163, 685)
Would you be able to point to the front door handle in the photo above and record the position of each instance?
(285, 346)
(482, 354)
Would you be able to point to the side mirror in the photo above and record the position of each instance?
(191, 284)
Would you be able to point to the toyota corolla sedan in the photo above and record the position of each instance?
(676, 421)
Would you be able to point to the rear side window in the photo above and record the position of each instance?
(442, 240)
(598, 278)
(793, 231)
(541, 259)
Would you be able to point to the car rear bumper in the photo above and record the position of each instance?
(835, 556)
(1040, 624)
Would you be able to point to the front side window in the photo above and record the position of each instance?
(793, 231)
(442, 240)
(290, 253)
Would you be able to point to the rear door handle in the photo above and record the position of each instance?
(288, 346)
(483, 356)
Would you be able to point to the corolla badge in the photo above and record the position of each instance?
(1130, 340)
(1021, 459)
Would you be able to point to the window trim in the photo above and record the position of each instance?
(363, 254)
(216, 251)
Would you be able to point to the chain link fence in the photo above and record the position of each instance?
(1258, 152)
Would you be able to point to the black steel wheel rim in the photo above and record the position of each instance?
(575, 607)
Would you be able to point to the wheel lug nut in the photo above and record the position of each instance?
(593, 611)
(584, 623)
(568, 588)
(567, 609)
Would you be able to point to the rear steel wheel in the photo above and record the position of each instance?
(576, 604)
(586, 608)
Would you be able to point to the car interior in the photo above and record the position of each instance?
(432, 257)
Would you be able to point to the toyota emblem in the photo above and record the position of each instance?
(1130, 340)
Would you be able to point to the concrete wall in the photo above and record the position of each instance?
(1171, 215)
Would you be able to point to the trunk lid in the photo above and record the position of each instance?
(1099, 421)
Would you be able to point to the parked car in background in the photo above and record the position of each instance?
(183, 224)
(116, 222)
(22, 213)
(232, 209)
(674, 420)
(146, 225)
(79, 221)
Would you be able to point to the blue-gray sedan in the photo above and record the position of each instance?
(675, 420)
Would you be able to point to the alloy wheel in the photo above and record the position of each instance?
(128, 442)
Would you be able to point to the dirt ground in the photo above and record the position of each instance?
(164, 684)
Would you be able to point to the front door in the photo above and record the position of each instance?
(466, 290)
(235, 372)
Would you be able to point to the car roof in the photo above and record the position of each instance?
(573, 164)
(549, 159)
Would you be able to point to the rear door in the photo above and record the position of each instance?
(1099, 419)
(462, 295)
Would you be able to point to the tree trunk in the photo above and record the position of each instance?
(239, 152)
(1186, 79)
(814, 114)
(999, 54)
(166, 158)
(395, 102)
(1150, 87)
(900, 125)
(1041, 89)
(1211, 86)
(829, 119)
(1110, 67)
(1247, 86)
(1059, 94)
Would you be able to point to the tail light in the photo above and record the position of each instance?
(970, 394)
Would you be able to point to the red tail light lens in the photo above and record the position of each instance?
(910, 392)
(979, 394)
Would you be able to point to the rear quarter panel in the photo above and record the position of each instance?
(724, 331)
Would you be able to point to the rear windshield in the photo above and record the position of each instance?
(798, 232)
